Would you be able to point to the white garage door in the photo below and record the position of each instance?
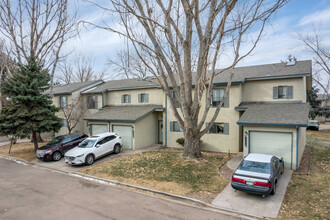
(126, 133)
(98, 129)
(273, 143)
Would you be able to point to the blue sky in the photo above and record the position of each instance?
(278, 40)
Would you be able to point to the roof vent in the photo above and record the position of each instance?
(291, 62)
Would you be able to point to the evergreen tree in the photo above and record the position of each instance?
(314, 103)
(30, 111)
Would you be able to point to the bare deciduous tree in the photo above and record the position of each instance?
(185, 41)
(37, 28)
(321, 58)
(81, 69)
(73, 112)
(128, 65)
(7, 66)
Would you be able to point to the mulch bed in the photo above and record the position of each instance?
(305, 163)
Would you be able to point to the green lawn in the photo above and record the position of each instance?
(165, 170)
(308, 196)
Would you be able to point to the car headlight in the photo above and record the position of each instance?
(48, 152)
(80, 155)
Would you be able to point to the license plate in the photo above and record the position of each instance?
(249, 183)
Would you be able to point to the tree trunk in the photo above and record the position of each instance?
(11, 144)
(39, 139)
(69, 129)
(35, 140)
(191, 146)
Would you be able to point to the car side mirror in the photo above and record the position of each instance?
(98, 145)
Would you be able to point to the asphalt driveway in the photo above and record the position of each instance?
(28, 192)
(254, 205)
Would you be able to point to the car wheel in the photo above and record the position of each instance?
(89, 159)
(117, 149)
(56, 156)
(274, 190)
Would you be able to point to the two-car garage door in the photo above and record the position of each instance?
(273, 143)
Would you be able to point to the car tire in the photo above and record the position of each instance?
(117, 149)
(274, 190)
(89, 159)
(56, 156)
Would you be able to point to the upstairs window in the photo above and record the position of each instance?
(175, 127)
(175, 98)
(63, 101)
(143, 97)
(217, 95)
(92, 102)
(126, 98)
(283, 92)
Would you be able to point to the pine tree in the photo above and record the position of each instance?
(315, 104)
(30, 111)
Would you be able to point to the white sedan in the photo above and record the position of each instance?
(93, 148)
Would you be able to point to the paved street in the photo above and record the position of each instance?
(28, 192)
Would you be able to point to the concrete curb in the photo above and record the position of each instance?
(204, 205)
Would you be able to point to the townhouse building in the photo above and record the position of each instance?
(265, 112)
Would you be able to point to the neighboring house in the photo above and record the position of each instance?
(266, 112)
(325, 103)
(66, 95)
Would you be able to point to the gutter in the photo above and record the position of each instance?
(271, 124)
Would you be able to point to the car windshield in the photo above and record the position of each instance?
(312, 123)
(87, 143)
(253, 166)
(55, 141)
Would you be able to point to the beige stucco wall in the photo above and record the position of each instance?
(156, 96)
(258, 91)
(301, 139)
(146, 131)
(214, 142)
(81, 125)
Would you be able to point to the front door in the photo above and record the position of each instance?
(160, 131)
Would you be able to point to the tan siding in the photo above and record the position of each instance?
(257, 91)
(156, 96)
(146, 131)
(215, 142)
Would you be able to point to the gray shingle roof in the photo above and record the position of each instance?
(241, 74)
(124, 113)
(281, 114)
(71, 87)
(125, 84)
(246, 73)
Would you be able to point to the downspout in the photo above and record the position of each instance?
(109, 125)
(164, 145)
(103, 104)
(165, 121)
(297, 146)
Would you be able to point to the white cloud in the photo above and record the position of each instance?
(316, 17)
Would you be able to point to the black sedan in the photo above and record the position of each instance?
(258, 174)
(55, 149)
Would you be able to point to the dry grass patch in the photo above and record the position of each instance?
(24, 150)
(166, 171)
(308, 196)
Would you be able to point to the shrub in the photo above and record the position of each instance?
(180, 141)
